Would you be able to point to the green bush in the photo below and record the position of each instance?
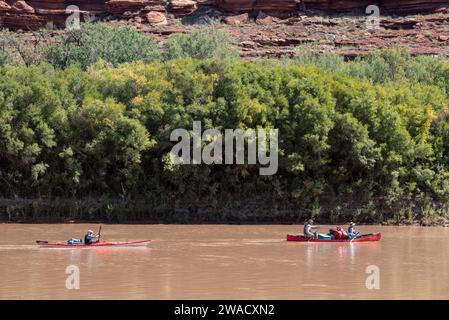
(3, 48)
(22, 49)
(202, 43)
(366, 149)
(51, 144)
(379, 67)
(382, 66)
(101, 41)
(327, 61)
(425, 69)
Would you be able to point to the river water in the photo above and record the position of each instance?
(224, 262)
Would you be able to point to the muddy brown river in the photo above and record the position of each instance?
(223, 262)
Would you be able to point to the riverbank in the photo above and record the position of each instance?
(109, 211)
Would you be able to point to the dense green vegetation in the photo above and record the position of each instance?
(101, 41)
(115, 45)
(86, 136)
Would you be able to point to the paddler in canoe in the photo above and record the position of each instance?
(311, 231)
(308, 229)
(351, 231)
(337, 234)
(340, 233)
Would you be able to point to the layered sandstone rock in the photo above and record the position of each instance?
(237, 20)
(235, 5)
(23, 21)
(281, 8)
(276, 4)
(338, 5)
(4, 7)
(119, 7)
(182, 7)
(259, 34)
(21, 7)
(156, 18)
(264, 19)
(37, 13)
(413, 5)
(388, 6)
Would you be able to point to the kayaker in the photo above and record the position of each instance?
(308, 227)
(90, 237)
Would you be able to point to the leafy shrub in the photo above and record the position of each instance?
(21, 49)
(3, 48)
(424, 69)
(382, 66)
(206, 42)
(101, 41)
(327, 61)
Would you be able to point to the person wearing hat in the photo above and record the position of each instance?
(308, 229)
(90, 237)
(351, 230)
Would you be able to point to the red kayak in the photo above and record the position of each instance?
(106, 244)
(362, 238)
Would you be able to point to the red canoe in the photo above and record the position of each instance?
(363, 238)
(107, 244)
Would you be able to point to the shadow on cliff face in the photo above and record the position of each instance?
(203, 15)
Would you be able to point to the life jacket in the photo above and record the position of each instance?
(340, 233)
(351, 229)
(307, 228)
(87, 239)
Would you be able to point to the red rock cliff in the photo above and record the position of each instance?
(391, 6)
(31, 14)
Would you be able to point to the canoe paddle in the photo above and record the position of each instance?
(99, 234)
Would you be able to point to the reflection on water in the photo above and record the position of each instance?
(223, 262)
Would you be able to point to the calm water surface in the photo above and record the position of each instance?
(223, 262)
